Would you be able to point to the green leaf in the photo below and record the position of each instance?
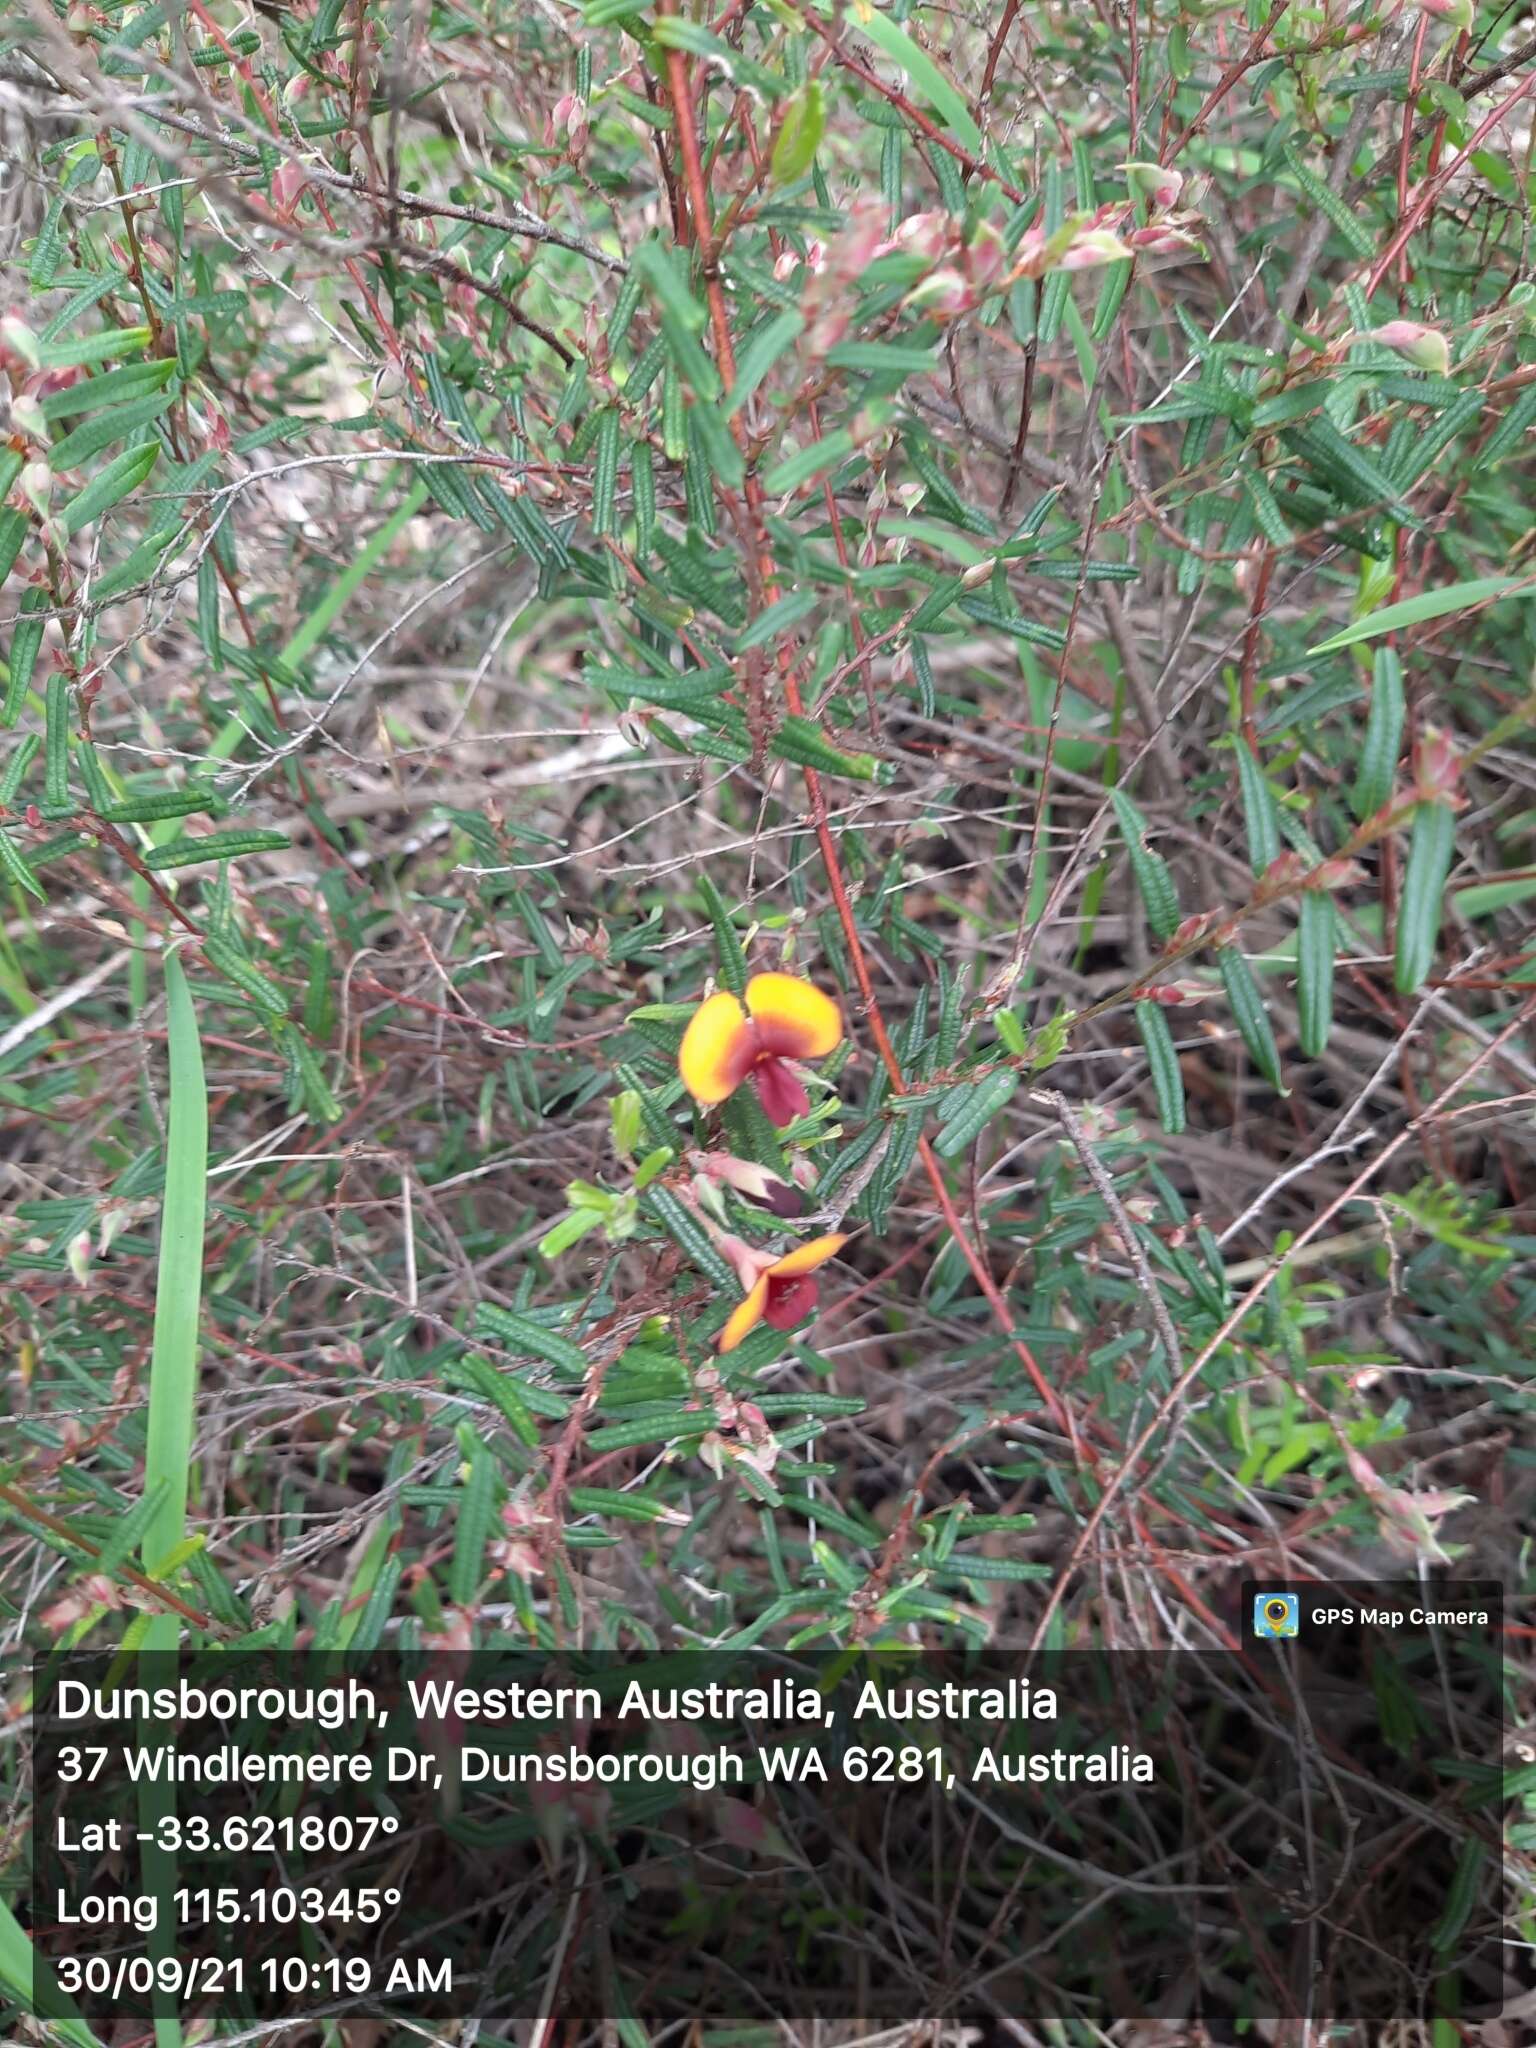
(123, 474)
(1154, 883)
(800, 739)
(970, 1117)
(477, 1508)
(16, 869)
(683, 318)
(56, 740)
(1315, 948)
(13, 531)
(1249, 1014)
(179, 1283)
(777, 618)
(1383, 737)
(800, 132)
(1429, 604)
(605, 471)
(94, 348)
(520, 1333)
(1163, 1063)
(626, 1507)
(763, 349)
(732, 961)
(187, 853)
(1423, 895)
(1258, 810)
(99, 432)
(26, 645)
(684, 1229)
(927, 79)
(807, 463)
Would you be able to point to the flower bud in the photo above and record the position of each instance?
(568, 125)
(1165, 241)
(1156, 183)
(1425, 347)
(1093, 246)
(946, 293)
(36, 485)
(28, 417)
(17, 338)
(986, 255)
(923, 234)
(1436, 766)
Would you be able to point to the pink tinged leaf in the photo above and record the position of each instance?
(288, 183)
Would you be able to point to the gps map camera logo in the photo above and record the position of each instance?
(1275, 1615)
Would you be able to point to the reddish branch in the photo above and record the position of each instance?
(698, 203)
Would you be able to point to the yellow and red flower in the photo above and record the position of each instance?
(780, 1291)
(782, 1021)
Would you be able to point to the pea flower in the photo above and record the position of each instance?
(784, 1020)
(780, 1291)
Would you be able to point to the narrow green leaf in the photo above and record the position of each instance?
(802, 740)
(777, 618)
(605, 471)
(974, 1113)
(733, 962)
(94, 348)
(1315, 948)
(762, 350)
(1429, 604)
(626, 1507)
(26, 645)
(1383, 736)
(682, 318)
(99, 432)
(187, 853)
(1258, 810)
(800, 132)
(520, 1333)
(13, 531)
(807, 463)
(926, 77)
(123, 474)
(1154, 883)
(16, 869)
(1250, 1015)
(1163, 1063)
(472, 1530)
(56, 740)
(179, 1280)
(1423, 895)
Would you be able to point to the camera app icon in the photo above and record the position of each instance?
(1276, 1615)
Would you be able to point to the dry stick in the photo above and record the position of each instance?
(1176, 1395)
(693, 170)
